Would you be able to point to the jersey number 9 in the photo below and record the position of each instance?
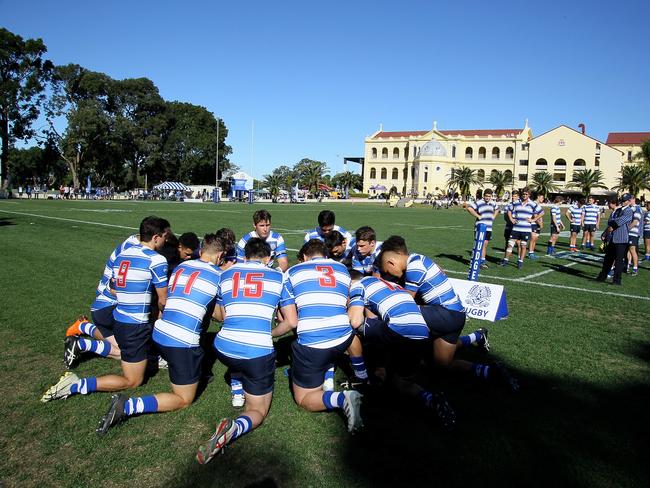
(120, 282)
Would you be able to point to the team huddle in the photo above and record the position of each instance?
(374, 306)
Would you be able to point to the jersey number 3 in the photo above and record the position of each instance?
(253, 285)
(327, 280)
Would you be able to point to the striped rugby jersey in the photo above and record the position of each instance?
(250, 293)
(590, 214)
(392, 303)
(508, 207)
(274, 240)
(635, 231)
(315, 234)
(486, 212)
(136, 271)
(576, 215)
(365, 264)
(424, 277)
(522, 212)
(192, 289)
(319, 288)
(103, 298)
(646, 222)
(556, 214)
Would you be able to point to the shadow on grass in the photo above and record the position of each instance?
(4, 221)
(555, 431)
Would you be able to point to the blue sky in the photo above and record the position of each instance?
(314, 78)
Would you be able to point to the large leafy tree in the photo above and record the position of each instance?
(634, 179)
(287, 176)
(499, 181)
(543, 183)
(23, 76)
(190, 149)
(348, 180)
(273, 183)
(311, 173)
(463, 178)
(587, 180)
(36, 165)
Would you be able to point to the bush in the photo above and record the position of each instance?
(358, 195)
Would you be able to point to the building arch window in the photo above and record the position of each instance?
(579, 162)
(481, 174)
(560, 162)
(383, 173)
(373, 173)
(395, 174)
(405, 174)
(469, 153)
(384, 152)
(374, 153)
(453, 151)
(396, 153)
(496, 153)
(541, 162)
(510, 153)
(481, 152)
(508, 174)
(493, 173)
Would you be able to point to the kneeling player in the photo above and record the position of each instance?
(318, 289)
(248, 295)
(192, 290)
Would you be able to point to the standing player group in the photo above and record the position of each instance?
(373, 307)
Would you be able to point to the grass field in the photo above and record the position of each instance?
(581, 350)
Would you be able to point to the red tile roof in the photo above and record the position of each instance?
(466, 133)
(629, 138)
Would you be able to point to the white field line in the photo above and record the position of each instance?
(564, 287)
(542, 273)
(70, 220)
(419, 226)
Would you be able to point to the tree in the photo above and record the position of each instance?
(587, 180)
(543, 183)
(634, 179)
(643, 156)
(286, 176)
(36, 165)
(462, 178)
(273, 183)
(348, 180)
(23, 76)
(499, 180)
(311, 173)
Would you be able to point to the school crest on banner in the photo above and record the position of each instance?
(484, 301)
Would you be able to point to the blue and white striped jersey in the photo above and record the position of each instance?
(250, 293)
(508, 207)
(424, 277)
(635, 231)
(522, 212)
(392, 303)
(103, 298)
(316, 234)
(274, 240)
(486, 210)
(576, 215)
(319, 288)
(136, 271)
(556, 214)
(646, 223)
(365, 264)
(590, 214)
(192, 289)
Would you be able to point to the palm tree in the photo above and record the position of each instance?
(463, 178)
(499, 180)
(634, 178)
(273, 184)
(311, 173)
(543, 183)
(348, 180)
(586, 180)
(643, 156)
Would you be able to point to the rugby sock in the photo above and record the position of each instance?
(87, 328)
(84, 386)
(333, 399)
(359, 367)
(145, 404)
(244, 424)
(103, 348)
(481, 370)
(236, 387)
(329, 374)
(426, 397)
(470, 339)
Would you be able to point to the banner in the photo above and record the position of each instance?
(484, 301)
(477, 253)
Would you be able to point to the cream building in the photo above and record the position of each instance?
(629, 143)
(421, 161)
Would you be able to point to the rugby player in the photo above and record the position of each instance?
(136, 273)
(247, 297)
(514, 198)
(646, 230)
(522, 214)
(191, 292)
(262, 226)
(590, 223)
(318, 290)
(556, 225)
(337, 248)
(574, 214)
(633, 238)
(536, 228)
(365, 250)
(484, 211)
(326, 224)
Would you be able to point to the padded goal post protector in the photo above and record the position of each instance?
(483, 301)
